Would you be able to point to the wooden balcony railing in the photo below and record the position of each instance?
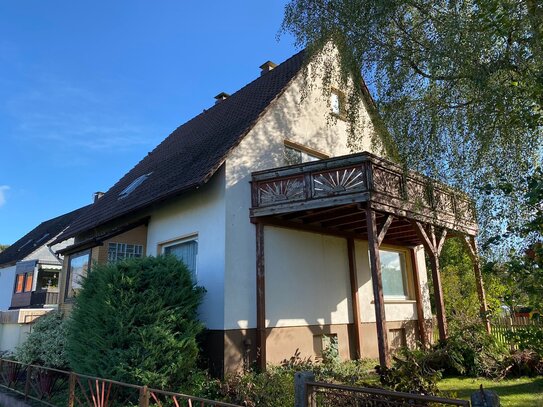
(360, 178)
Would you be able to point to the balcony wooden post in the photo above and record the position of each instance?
(355, 303)
(474, 254)
(433, 248)
(418, 297)
(377, 283)
(260, 298)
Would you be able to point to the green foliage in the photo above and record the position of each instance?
(459, 286)
(3, 247)
(530, 337)
(46, 344)
(458, 84)
(136, 321)
(411, 373)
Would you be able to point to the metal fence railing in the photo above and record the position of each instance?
(328, 395)
(54, 387)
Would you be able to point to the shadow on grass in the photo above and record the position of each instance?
(514, 388)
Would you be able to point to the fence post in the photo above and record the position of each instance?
(144, 397)
(300, 388)
(71, 390)
(27, 381)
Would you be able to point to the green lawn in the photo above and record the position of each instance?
(524, 392)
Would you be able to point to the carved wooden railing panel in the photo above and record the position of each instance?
(281, 190)
(338, 181)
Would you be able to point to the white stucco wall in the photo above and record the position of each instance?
(306, 122)
(13, 335)
(307, 279)
(198, 213)
(7, 281)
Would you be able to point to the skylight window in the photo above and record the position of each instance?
(133, 185)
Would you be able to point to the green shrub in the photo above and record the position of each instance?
(136, 321)
(412, 372)
(46, 344)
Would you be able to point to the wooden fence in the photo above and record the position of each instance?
(501, 325)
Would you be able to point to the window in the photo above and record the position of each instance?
(77, 269)
(28, 281)
(393, 274)
(186, 251)
(337, 102)
(297, 154)
(133, 185)
(120, 251)
(19, 282)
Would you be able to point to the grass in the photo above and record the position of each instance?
(523, 392)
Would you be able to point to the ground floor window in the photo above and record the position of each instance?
(185, 250)
(393, 274)
(77, 269)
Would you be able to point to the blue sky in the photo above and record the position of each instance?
(88, 88)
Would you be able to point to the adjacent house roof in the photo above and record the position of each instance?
(189, 156)
(38, 237)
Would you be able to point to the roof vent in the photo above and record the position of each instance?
(267, 67)
(220, 97)
(97, 195)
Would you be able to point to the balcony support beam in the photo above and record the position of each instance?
(260, 298)
(377, 283)
(433, 247)
(473, 252)
(355, 302)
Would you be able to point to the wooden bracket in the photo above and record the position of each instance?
(384, 229)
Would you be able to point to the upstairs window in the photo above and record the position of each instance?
(185, 250)
(120, 251)
(28, 282)
(297, 154)
(77, 269)
(19, 283)
(394, 274)
(337, 102)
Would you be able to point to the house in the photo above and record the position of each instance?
(29, 275)
(296, 239)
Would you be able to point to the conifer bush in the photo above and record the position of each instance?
(136, 321)
(46, 344)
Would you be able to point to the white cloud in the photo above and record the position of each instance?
(3, 189)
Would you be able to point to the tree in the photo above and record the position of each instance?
(136, 321)
(3, 247)
(459, 84)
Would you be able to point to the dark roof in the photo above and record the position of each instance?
(38, 237)
(189, 156)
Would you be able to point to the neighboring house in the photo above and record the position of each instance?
(29, 268)
(29, 276)
(259, 196)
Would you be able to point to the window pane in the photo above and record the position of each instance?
(186, 252)
(292, 156)
(79, 265)
(393, 274)
(120, 251)
(335, 101)
(19, 284)
(28, 282)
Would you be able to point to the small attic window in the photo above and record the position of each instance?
(337, 102)
(133, 185)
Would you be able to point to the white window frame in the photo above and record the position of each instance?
(405, 269)
(337, 102)
(162, 246)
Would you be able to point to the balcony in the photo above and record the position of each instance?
(329, 195)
